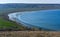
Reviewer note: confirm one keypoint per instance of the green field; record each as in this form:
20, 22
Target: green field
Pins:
5, 24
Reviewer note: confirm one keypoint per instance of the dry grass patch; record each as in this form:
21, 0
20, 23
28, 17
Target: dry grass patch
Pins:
29, 34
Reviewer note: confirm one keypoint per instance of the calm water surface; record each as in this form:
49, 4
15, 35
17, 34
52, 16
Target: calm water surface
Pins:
49, 19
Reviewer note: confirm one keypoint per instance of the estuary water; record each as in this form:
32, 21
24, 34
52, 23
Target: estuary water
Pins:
48, 19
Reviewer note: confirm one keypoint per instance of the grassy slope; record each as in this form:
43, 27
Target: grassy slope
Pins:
5, 24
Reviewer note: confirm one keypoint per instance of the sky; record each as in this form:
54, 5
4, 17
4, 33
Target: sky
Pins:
30, 1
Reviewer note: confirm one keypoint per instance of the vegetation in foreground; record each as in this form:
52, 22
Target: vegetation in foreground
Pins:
29, 34
9, 25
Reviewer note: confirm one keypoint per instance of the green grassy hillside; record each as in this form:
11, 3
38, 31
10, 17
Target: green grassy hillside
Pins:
9, 25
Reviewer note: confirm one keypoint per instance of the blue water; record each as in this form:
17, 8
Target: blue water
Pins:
48, 19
